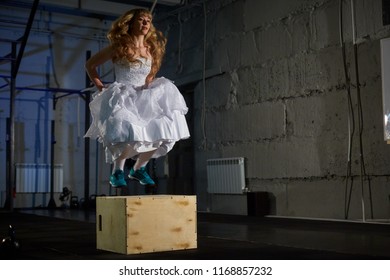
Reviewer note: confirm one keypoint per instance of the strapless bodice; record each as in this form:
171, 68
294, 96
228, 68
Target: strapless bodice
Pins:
133, 73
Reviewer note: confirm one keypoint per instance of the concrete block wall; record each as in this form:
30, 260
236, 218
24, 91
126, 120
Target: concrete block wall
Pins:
281, 102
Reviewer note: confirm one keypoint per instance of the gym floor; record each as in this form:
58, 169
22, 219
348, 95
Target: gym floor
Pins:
71, 235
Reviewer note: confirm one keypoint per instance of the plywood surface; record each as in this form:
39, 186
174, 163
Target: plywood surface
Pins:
150, 223
111, 225
161, 223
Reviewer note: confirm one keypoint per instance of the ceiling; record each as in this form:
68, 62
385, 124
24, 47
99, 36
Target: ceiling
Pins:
103, 9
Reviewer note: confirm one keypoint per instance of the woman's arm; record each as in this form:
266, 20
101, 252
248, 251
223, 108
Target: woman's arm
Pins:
91, 65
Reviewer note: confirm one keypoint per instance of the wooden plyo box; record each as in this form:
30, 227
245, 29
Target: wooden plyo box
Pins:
148, 223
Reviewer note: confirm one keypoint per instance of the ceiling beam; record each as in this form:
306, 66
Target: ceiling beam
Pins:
101, 9
92, 6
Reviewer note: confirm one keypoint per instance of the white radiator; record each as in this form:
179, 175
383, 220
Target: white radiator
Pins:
35, 178
226, 176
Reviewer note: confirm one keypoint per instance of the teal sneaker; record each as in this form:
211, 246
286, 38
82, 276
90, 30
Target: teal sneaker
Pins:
118, 179
142, 176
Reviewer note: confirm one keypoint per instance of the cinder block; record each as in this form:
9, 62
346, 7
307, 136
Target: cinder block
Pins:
263, 13
325, 21
143, 224
262, 121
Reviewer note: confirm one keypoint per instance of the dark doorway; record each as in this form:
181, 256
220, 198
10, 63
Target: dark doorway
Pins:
386, 12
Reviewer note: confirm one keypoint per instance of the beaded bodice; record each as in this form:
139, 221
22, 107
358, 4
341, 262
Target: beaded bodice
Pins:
134, 73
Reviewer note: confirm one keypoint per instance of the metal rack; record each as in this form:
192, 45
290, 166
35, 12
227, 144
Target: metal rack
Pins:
15, 57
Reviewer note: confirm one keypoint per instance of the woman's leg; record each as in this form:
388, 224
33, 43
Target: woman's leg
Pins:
119, 163
143, 159
138, 171
117, 178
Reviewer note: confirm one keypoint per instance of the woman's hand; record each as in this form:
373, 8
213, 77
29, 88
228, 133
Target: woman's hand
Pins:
94, 62
100, 87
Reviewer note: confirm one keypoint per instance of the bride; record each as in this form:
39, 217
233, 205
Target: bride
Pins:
137, 116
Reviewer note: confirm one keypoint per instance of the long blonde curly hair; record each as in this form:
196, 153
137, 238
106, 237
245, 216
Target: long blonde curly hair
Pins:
124, 46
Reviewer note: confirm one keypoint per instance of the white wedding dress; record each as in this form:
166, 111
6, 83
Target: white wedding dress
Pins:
125, 113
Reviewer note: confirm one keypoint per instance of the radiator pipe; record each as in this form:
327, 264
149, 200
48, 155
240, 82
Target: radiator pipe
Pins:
9, 202
52, 203
87, 140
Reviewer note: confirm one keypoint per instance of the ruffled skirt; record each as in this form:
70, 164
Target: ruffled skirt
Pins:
144, 119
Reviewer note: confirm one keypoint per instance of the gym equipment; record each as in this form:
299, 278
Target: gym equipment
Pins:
64, 197
9, 247
74, 202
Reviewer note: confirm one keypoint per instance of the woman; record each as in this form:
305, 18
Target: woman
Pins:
137, 116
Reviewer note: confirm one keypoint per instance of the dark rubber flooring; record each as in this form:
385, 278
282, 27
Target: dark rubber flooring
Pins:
71, 235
